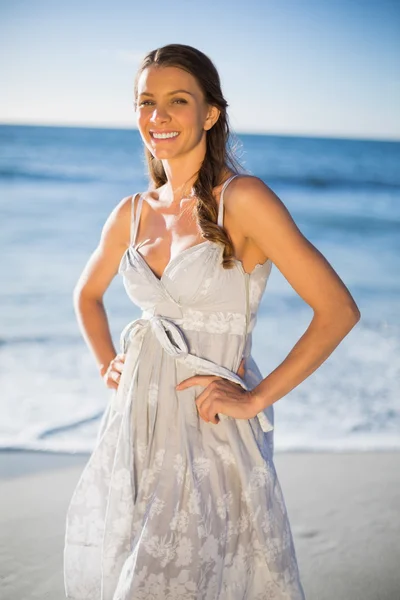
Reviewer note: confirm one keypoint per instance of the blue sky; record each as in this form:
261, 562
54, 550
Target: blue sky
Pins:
301, 67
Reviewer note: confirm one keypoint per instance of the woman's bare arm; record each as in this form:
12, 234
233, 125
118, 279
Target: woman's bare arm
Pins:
264, 219
96, 277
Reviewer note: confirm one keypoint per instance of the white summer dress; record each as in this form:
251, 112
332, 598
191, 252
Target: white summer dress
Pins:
170, 507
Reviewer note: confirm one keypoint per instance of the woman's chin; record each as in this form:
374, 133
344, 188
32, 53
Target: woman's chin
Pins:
163, 153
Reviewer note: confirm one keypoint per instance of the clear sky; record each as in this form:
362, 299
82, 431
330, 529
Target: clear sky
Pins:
301, 67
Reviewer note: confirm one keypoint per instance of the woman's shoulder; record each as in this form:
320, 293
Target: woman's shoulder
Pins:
121, 213
118, 222
248, 199
246, 182
123, 210
247, 190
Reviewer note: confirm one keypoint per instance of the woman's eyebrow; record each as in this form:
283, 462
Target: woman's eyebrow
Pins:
168, 94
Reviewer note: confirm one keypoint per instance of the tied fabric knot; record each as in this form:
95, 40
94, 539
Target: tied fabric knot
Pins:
166, 331
170, 336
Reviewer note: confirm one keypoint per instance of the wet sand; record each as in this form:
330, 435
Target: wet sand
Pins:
344, 510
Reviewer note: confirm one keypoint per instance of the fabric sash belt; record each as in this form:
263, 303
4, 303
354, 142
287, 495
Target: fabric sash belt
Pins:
173, 342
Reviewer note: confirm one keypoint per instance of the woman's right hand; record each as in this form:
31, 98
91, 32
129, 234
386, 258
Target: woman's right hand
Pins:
113, 374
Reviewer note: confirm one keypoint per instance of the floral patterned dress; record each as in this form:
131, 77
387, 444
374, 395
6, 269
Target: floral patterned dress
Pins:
170, 507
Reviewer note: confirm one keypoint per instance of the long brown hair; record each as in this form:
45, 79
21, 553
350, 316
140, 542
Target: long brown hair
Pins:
219, 157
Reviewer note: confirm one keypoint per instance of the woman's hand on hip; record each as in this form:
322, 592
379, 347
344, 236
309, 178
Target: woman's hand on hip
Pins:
114, 371
221, 396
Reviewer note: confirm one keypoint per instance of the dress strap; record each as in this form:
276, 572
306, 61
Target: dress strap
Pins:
221, 201
135, 218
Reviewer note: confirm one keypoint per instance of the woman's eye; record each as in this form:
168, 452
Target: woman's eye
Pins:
150, 102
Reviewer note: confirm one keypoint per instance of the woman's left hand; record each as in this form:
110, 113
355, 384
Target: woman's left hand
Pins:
220, 396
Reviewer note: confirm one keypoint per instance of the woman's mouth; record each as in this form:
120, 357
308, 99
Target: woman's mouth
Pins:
164, 135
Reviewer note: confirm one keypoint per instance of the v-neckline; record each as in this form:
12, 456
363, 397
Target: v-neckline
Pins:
189, 249
173, 259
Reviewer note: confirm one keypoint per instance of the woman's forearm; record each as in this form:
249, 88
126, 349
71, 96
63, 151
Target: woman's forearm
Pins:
322, 336
93, 323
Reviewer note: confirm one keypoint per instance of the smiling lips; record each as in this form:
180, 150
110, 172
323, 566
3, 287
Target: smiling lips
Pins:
164, 135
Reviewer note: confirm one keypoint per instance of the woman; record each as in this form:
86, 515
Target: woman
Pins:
180, 498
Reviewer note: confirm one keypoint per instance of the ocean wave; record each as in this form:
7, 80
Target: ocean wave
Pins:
34, 340
314, 181
363, 224
18, 174
324, 182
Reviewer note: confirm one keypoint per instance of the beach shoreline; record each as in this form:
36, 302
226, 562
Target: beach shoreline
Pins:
343, 510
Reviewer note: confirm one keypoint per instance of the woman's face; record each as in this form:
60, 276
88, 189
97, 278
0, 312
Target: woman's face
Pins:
172, 114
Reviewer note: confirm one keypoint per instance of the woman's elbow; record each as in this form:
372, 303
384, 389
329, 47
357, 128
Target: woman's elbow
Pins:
344, 315
83, 294
349, 315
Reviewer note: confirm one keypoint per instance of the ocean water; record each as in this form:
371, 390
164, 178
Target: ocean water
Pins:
57, 187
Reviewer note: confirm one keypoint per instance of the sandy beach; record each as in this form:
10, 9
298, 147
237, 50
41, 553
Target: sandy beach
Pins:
344, 510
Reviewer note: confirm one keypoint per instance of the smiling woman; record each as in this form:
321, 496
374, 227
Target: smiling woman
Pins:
180, 498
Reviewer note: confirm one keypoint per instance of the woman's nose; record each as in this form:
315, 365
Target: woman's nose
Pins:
159, 114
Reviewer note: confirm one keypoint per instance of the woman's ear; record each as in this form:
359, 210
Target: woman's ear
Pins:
212, 117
